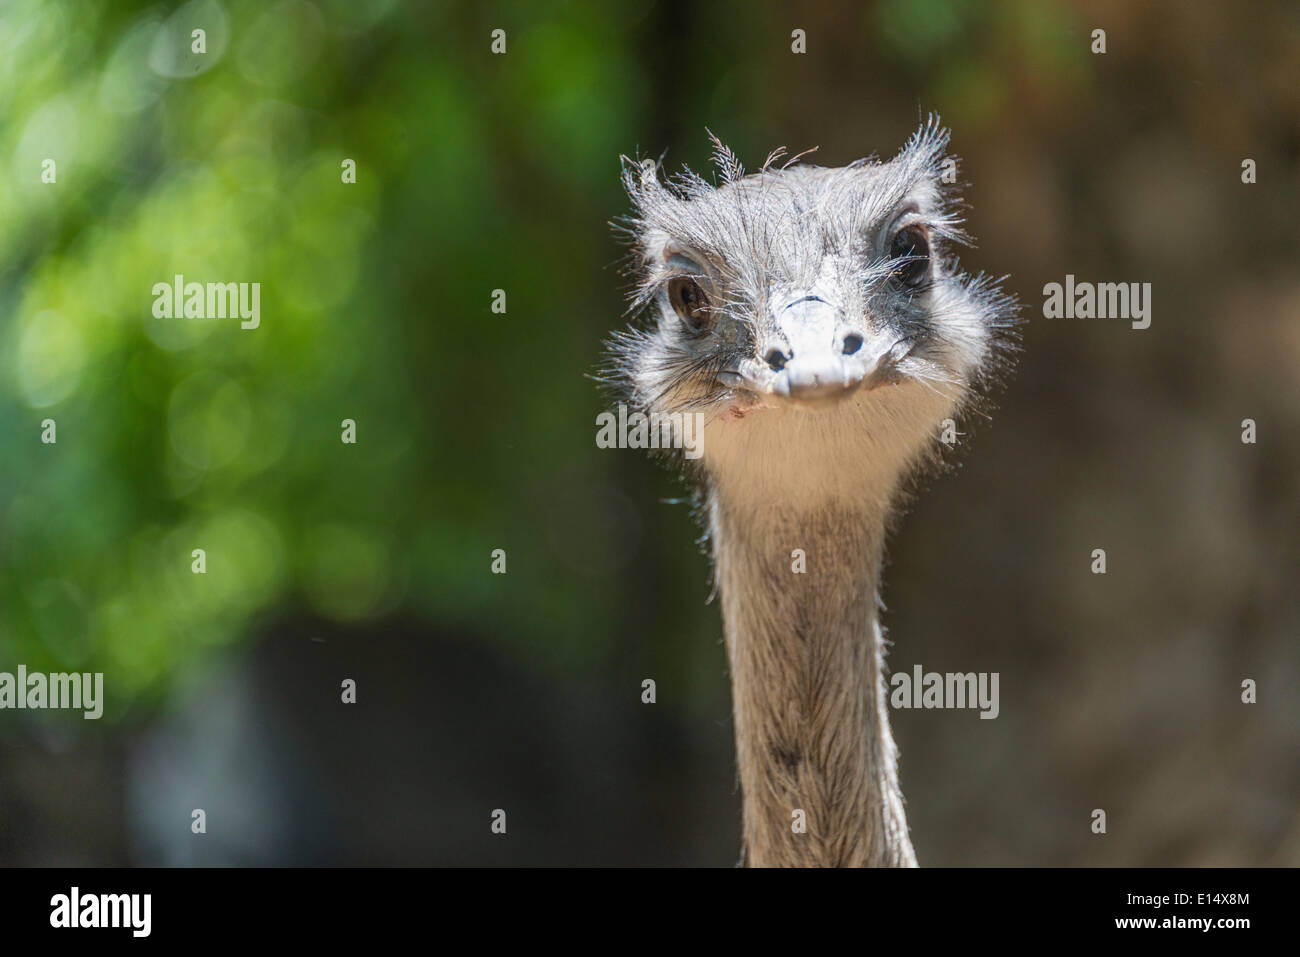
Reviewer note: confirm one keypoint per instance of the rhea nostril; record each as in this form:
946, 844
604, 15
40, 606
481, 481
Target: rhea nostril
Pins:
776, 359
852, 343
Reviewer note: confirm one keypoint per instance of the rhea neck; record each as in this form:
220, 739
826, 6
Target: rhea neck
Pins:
798, 545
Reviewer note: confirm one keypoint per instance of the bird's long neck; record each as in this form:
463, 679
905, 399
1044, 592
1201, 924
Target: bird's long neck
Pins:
804, 644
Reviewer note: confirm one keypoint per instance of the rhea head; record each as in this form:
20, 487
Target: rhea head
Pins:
814, 316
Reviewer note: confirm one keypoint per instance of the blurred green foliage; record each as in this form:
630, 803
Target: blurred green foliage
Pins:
174, 434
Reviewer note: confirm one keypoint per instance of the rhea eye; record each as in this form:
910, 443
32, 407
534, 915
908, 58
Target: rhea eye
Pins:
689, 302
912, 245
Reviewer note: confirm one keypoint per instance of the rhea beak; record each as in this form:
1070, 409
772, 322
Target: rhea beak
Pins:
822, 358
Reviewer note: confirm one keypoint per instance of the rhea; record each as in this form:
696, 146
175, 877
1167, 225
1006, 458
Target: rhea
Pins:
817, 320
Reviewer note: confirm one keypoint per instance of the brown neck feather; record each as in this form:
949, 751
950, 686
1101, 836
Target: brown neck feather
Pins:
805, 649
